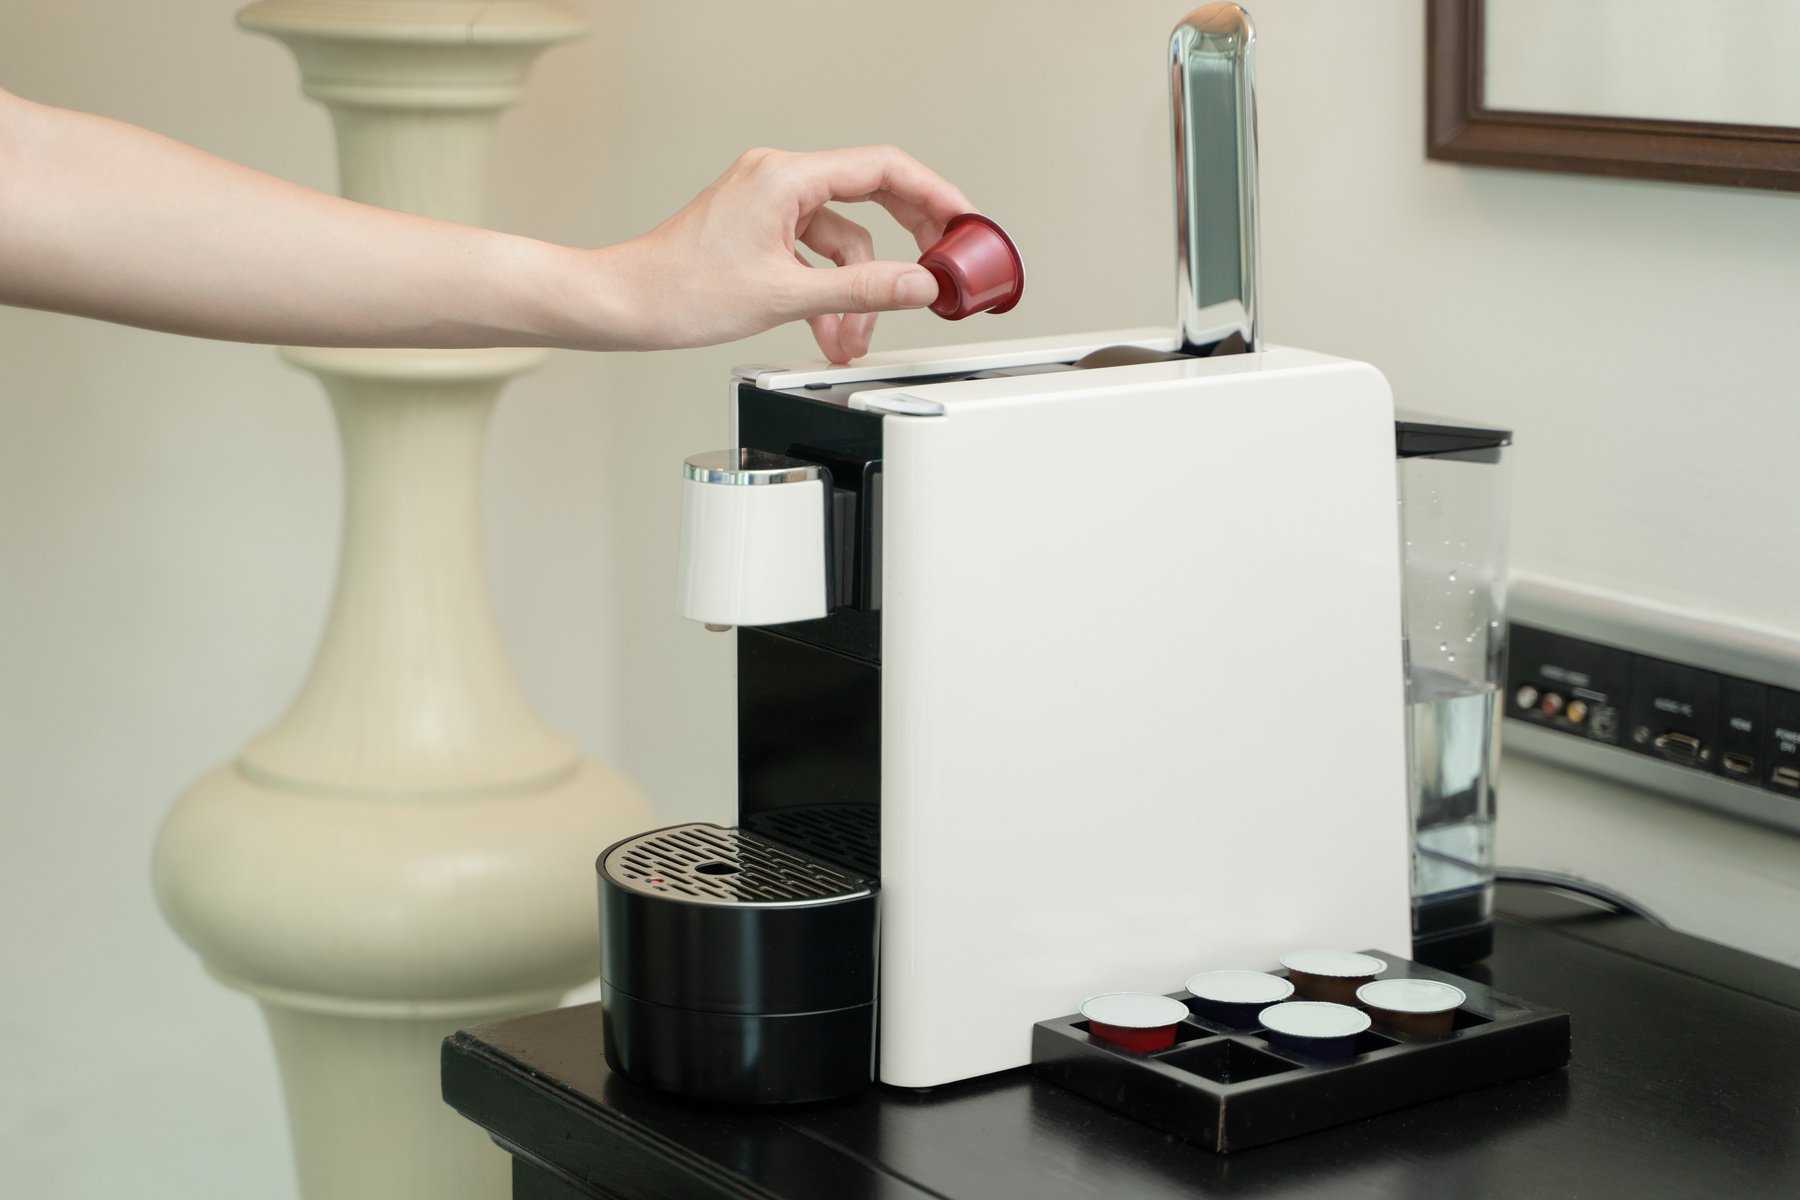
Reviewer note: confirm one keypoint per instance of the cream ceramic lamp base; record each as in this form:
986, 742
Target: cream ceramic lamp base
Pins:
409, 850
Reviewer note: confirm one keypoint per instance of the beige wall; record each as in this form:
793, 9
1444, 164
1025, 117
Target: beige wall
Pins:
168, 510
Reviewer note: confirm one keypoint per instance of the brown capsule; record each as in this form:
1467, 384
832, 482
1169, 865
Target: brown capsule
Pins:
1330, 975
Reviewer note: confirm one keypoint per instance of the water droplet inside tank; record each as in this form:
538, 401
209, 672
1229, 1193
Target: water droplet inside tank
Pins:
1443, 647
1453, 577
1451, 657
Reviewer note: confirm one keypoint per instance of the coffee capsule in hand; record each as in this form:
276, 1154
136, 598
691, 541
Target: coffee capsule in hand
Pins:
977, 267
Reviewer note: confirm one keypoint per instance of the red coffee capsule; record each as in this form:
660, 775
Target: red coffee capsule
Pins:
978, 268
1139, 1021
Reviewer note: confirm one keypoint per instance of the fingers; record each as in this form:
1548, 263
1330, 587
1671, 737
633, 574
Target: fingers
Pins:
835, 236
919, 198
770, 200
881, 286
825, 327
845, 243
825, 332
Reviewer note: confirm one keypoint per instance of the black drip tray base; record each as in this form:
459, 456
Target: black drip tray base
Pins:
1228, 1089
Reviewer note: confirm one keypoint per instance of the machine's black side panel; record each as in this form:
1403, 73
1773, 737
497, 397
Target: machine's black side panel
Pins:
845, 631
809, 748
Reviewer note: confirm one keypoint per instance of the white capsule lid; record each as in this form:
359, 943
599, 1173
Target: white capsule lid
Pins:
1133, 1010
1315, 1019
1411, 995
1239, 987
1336, 963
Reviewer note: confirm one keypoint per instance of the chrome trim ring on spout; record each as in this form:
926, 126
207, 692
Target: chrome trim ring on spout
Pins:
748, 468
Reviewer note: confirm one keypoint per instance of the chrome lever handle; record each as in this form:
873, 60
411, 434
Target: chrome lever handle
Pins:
1212, 99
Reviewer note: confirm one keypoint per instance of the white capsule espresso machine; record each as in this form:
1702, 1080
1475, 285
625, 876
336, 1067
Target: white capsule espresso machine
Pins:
1064, 666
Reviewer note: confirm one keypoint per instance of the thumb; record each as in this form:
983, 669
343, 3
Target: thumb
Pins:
867, 287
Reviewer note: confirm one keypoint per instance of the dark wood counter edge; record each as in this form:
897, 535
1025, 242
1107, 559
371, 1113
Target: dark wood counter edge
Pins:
641, 1165
1670, 949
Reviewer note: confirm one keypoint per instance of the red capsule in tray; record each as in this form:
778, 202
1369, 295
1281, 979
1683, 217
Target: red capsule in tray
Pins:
1140, 1021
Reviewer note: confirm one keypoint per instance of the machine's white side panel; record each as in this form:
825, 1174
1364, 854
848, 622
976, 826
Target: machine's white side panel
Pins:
1143, 707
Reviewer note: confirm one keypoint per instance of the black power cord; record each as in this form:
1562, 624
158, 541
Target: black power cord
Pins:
1617, 901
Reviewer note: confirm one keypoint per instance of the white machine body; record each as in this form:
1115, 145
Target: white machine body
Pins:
1141, 682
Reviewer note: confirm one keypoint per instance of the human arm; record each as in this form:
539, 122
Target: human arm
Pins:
103, 219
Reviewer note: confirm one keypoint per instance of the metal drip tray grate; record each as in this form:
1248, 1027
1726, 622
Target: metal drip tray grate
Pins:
714, 865
848, 834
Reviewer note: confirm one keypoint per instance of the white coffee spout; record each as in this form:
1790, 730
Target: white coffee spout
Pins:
1212, 96
753, 539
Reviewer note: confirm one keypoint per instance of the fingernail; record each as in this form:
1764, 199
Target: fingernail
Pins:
915, 289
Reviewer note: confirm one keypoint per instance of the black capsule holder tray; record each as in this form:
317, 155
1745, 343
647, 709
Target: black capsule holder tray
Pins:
1229, 1089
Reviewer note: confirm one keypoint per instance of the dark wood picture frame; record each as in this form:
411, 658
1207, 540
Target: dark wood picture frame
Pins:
1459, 127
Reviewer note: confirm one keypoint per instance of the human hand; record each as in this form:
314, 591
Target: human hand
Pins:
205, 247
727, 265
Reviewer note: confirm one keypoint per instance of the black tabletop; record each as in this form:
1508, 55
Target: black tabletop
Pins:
1684, 1081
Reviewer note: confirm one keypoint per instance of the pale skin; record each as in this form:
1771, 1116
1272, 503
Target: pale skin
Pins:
102, 219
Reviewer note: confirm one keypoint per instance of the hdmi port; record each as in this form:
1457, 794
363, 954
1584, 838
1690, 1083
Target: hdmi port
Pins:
1739, 764
1787, 777
1682, 747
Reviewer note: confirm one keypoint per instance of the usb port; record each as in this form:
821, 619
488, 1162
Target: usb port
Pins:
1787, 777
1682, 747
1739, 764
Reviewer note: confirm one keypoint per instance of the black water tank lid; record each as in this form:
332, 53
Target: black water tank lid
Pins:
1419, 436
